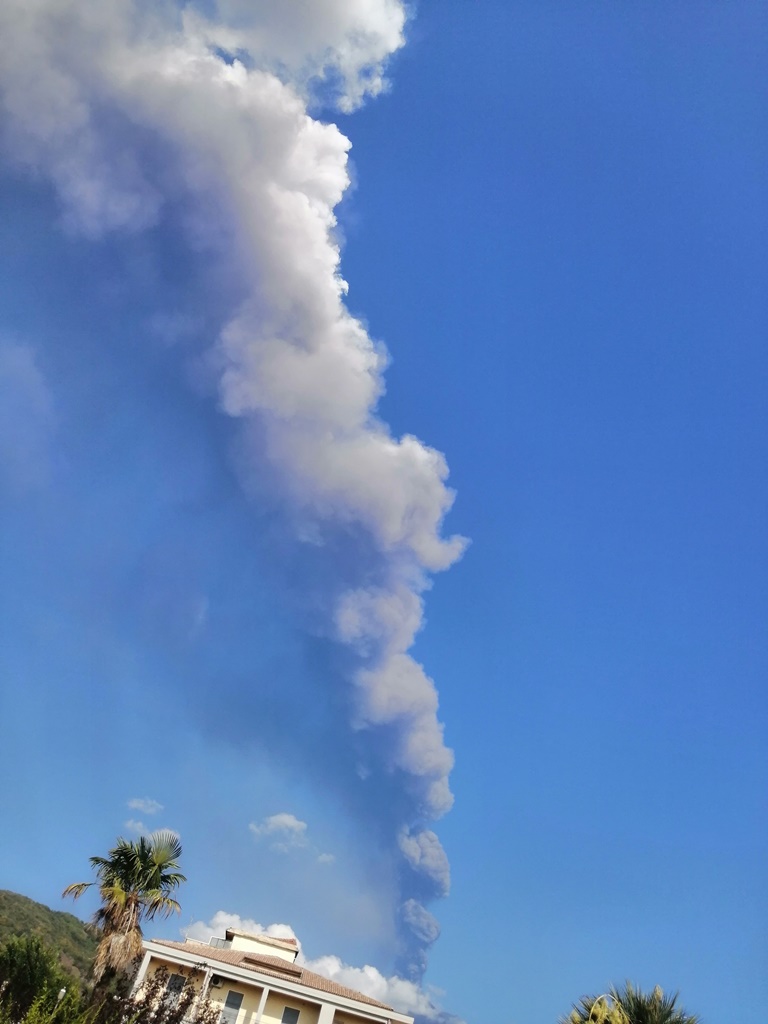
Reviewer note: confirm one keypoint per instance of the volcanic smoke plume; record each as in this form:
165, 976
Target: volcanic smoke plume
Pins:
130, 108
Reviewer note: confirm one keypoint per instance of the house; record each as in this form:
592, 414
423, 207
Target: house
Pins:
255, 980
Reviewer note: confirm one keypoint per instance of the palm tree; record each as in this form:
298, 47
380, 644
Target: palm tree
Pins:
596, 1010
629, 1005
135, 882
651, 1008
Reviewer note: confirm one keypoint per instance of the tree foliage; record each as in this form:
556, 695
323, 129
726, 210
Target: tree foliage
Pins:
150, 1005
135, 882
44, 1002
29, 972
629, 1005
74, 941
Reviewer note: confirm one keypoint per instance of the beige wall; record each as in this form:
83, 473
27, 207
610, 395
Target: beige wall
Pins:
261, 944
251, 998
276, 1003
194, 977
217, 996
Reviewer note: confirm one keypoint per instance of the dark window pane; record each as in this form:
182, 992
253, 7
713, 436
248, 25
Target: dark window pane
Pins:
231, 1008
173, 989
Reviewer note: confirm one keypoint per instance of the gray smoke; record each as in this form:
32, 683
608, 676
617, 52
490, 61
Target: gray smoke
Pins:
92, 93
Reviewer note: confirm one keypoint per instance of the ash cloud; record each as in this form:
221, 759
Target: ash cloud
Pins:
131, 111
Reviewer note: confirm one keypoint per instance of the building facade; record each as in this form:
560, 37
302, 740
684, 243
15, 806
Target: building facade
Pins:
255, 979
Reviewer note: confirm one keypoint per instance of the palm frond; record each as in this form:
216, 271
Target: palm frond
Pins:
77, 889
160, 904
166, 846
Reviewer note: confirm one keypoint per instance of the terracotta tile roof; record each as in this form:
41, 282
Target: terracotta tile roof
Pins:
275, 966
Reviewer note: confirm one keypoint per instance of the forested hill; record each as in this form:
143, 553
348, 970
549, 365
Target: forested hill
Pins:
75, 941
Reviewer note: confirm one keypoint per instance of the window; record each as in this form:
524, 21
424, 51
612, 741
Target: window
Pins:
173, 989
231, 1008
290, 1016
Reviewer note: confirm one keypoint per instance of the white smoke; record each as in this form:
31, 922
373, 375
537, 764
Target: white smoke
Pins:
27, 419
91, 94
347, 39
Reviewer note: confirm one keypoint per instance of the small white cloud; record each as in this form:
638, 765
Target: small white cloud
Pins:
145, 804
284, 831
326, 858
136, 826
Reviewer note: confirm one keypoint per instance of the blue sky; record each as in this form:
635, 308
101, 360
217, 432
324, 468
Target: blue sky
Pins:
558, 229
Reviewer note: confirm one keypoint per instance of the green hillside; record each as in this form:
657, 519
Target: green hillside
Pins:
75, 941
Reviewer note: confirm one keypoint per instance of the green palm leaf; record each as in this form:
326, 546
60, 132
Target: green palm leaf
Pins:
135, 883
629, 1005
